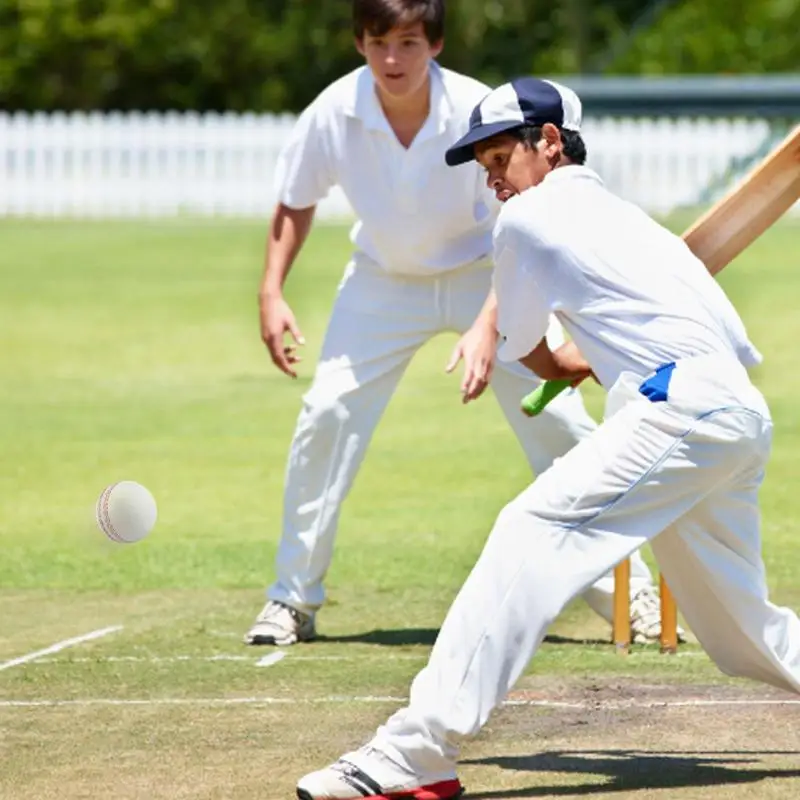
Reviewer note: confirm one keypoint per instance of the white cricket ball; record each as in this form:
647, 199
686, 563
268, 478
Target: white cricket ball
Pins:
126, 512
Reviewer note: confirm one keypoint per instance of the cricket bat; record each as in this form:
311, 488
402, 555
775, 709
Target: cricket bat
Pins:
732, 224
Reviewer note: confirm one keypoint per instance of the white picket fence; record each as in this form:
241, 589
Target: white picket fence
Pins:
147, 165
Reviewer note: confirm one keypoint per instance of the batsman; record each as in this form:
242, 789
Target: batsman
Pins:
677, 462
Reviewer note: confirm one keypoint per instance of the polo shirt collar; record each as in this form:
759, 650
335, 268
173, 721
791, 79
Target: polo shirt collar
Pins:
367, 107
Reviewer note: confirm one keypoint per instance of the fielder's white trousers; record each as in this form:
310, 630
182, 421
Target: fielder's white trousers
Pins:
683, 474
378, 322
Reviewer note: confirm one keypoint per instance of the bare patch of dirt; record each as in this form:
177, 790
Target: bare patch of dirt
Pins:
623, 739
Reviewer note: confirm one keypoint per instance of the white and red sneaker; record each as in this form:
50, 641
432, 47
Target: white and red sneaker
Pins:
370, 773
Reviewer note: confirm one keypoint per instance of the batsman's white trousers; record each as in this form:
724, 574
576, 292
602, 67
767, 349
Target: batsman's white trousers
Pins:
684, 474
378, 322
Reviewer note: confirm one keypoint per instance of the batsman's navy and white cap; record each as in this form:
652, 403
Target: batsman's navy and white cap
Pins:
523, 101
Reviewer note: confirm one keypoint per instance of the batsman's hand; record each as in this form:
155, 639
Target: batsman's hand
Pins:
478, 348
572, 362
277, 319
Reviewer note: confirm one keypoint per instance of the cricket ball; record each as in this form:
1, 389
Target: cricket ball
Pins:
126, 512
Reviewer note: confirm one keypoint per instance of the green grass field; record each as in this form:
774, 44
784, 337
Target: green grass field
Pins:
131, 351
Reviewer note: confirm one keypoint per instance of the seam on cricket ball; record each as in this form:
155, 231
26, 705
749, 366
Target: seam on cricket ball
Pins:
105, 519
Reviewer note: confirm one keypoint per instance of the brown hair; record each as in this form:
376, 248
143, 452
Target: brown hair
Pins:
378, 17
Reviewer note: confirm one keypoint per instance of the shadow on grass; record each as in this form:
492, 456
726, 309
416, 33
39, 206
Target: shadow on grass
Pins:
404, 637
388, 638
629, 770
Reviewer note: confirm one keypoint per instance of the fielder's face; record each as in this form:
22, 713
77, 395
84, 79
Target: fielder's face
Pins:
512, 167
399, 59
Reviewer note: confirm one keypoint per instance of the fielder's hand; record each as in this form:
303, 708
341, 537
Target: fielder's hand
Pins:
277, 320
478, 348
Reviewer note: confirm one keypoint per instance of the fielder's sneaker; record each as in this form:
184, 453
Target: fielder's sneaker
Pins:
646, 617
281, 625
370, 773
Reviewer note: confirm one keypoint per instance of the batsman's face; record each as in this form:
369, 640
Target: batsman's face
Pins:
399, 59
512, 167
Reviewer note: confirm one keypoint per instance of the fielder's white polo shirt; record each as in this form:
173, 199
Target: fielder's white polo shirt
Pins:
629, 292
416, 215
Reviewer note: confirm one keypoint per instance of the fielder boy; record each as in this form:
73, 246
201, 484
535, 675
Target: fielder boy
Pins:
678, 460
421, 265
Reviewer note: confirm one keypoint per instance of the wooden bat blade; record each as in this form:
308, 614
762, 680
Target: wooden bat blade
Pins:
745, 212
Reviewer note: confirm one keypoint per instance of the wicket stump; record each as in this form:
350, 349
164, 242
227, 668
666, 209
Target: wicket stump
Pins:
622, 612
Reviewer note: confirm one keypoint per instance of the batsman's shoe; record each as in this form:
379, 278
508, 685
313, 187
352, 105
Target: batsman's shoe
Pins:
370, 773
646, 617
281, 625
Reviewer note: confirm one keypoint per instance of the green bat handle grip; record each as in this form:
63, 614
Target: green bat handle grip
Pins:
534, 403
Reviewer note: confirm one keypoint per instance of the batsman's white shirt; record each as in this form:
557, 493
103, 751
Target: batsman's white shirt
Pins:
416, 215
626, 311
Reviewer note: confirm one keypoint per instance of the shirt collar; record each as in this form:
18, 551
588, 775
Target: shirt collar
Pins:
366, 106
571, 172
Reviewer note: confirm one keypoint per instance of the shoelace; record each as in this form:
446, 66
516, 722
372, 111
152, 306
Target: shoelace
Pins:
274, 609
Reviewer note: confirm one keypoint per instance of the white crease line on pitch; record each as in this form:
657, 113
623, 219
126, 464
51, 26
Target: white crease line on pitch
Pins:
266, 660
141, 659
195, 701
58, 646
356, 700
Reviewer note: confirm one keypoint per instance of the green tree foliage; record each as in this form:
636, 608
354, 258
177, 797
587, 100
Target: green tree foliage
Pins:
717, 37
494, 39
277, 55
158, 54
